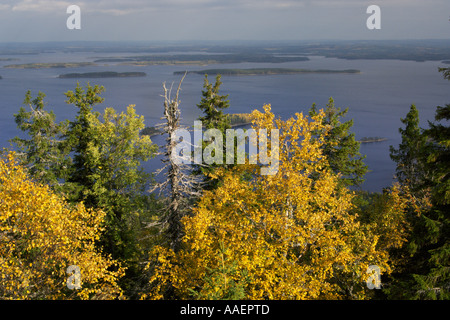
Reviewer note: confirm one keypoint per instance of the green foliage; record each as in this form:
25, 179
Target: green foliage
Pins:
224, 282
341, 148
44, 153
435, 282
213, 104
409, 155
423, 163
95, 159
78, 136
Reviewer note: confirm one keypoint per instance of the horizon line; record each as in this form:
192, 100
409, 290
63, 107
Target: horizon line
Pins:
218, 41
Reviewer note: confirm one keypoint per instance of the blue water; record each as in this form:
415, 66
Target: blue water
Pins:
377, 98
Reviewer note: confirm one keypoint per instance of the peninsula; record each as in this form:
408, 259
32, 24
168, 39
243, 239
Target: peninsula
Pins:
263, 71
104, 74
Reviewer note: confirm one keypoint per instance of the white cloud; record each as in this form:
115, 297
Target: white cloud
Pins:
40, 5
122, 7
125, 7
222, 19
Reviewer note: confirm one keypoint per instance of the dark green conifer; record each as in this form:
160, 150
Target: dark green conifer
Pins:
341, 147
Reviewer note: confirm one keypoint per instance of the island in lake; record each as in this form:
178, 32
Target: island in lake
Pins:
104, 74
372, 139
239, 119
49, 65
263, 71
200, 59
150, 131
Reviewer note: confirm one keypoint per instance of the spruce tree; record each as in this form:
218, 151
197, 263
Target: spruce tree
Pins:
44, 152
341, 147
434, 280
410, 168
426, 272
213, 105
78, 139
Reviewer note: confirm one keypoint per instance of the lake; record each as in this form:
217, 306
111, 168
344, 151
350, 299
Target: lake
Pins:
377, 97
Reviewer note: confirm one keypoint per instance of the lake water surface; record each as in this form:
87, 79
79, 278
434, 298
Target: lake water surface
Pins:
377, 97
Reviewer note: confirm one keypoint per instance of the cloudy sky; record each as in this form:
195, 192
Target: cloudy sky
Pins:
45, 20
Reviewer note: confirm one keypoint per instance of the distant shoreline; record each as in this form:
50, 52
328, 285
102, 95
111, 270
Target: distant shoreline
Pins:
264, 71
49, 65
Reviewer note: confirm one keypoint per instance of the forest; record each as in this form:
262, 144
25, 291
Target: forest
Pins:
81, 219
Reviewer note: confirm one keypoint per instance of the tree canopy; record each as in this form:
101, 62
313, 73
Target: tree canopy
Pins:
41, 235
286, 236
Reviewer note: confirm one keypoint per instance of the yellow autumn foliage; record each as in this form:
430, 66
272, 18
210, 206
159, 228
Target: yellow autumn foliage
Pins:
285, 236
41, 236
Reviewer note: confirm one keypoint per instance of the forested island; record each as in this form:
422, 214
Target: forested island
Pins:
372, 139
150, 131
235, 120
50, 65
263, 71
201, 59
104, 74
239, 119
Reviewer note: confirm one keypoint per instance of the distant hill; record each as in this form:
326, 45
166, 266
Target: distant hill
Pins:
105, 74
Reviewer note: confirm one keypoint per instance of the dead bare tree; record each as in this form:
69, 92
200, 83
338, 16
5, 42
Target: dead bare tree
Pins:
181, 188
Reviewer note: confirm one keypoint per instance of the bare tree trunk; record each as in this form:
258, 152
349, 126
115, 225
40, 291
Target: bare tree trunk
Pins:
181, 188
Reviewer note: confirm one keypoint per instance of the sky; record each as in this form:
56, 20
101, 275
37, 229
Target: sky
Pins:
175, 20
